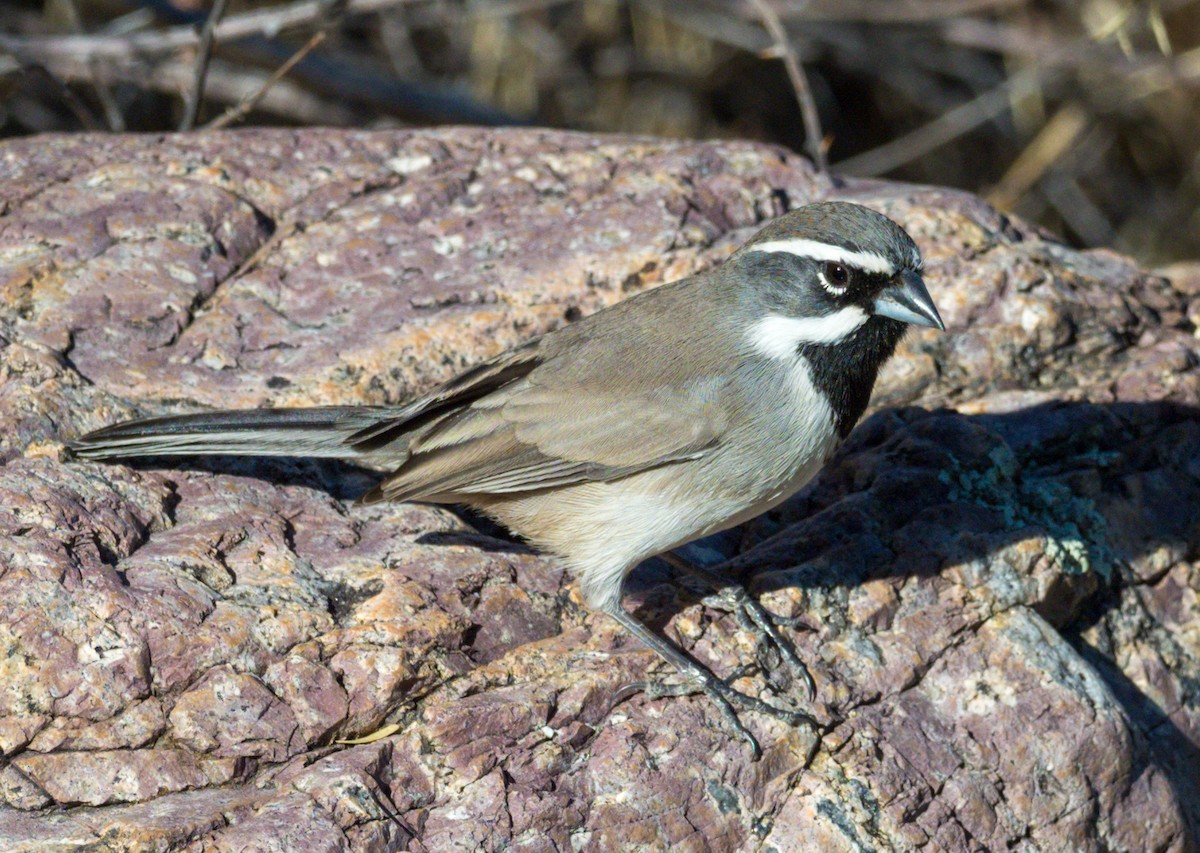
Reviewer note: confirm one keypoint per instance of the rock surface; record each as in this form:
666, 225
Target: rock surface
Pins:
996, 582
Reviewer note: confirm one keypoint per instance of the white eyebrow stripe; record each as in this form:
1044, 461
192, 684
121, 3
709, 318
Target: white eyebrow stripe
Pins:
818, 251
778, 336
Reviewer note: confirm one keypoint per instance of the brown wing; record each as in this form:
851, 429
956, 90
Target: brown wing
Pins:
394, 436
527, 437
595, 404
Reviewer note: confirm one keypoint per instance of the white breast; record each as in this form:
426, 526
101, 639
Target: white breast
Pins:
808, 437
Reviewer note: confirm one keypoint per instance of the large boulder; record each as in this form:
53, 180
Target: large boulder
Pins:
996, 582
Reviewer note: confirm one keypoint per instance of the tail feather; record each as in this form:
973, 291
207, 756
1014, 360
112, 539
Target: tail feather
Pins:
327, 431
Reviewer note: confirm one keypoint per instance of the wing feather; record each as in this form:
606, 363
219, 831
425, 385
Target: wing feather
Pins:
541, 439
593, 401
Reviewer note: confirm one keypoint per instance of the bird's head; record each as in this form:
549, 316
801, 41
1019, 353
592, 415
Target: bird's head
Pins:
826, 271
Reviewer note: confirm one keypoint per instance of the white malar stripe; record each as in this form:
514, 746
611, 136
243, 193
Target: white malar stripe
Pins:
777, 336
818, 251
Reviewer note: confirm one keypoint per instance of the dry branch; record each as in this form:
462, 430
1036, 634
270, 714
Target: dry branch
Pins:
814, 139
143, 46
244, 106
195, 94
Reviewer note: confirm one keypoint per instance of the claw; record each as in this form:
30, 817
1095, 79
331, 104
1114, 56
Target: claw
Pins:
751, 615
659, 689
701, 680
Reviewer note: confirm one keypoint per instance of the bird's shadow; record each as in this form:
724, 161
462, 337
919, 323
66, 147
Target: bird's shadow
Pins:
1108, 488
484, 534
341, 480
1110, 484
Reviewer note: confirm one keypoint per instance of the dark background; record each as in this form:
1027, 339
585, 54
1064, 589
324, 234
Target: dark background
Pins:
1082, 116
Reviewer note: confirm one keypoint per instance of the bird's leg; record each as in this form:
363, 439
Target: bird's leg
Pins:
722, 695
732, 597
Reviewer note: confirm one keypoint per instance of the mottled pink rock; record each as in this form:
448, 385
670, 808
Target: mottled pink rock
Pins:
233, 714
994, 582
123, 775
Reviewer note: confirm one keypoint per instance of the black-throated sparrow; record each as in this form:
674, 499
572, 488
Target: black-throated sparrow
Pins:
677, 413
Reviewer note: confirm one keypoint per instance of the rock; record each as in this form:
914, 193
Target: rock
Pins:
994, 582
121, 775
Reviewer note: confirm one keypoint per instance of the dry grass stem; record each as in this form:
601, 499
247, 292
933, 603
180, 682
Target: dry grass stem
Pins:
243, 108
195, 94
943, 129
1043, 151
269, 21
814, 139
1082, 116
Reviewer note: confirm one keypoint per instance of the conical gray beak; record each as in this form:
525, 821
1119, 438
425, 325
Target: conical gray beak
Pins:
908, 301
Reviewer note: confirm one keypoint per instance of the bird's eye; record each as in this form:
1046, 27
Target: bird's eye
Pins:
837, 274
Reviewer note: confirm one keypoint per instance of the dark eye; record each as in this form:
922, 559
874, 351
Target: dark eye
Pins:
836, 273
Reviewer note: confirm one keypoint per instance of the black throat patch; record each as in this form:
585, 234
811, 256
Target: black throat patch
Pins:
845, 372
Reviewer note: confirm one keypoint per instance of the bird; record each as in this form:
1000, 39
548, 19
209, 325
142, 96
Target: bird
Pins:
679, 412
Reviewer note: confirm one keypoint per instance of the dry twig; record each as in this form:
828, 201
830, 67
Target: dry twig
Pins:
814, 139
946, 127
99, 82
195, 94
232, 83
242, 108
135, 47
1053, 141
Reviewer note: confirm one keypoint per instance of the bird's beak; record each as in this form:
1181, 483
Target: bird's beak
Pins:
907, 300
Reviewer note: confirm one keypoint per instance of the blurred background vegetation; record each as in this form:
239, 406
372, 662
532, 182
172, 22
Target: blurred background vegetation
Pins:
1083, 116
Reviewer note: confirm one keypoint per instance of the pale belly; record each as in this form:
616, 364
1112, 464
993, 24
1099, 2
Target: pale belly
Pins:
603, 529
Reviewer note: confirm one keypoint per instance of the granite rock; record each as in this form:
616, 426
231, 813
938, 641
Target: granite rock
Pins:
995, 582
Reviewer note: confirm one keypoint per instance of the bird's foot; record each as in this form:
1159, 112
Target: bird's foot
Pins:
726, 699
732, 598
700, 679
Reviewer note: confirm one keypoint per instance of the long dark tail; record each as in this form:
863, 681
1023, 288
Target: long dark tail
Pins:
323, 431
